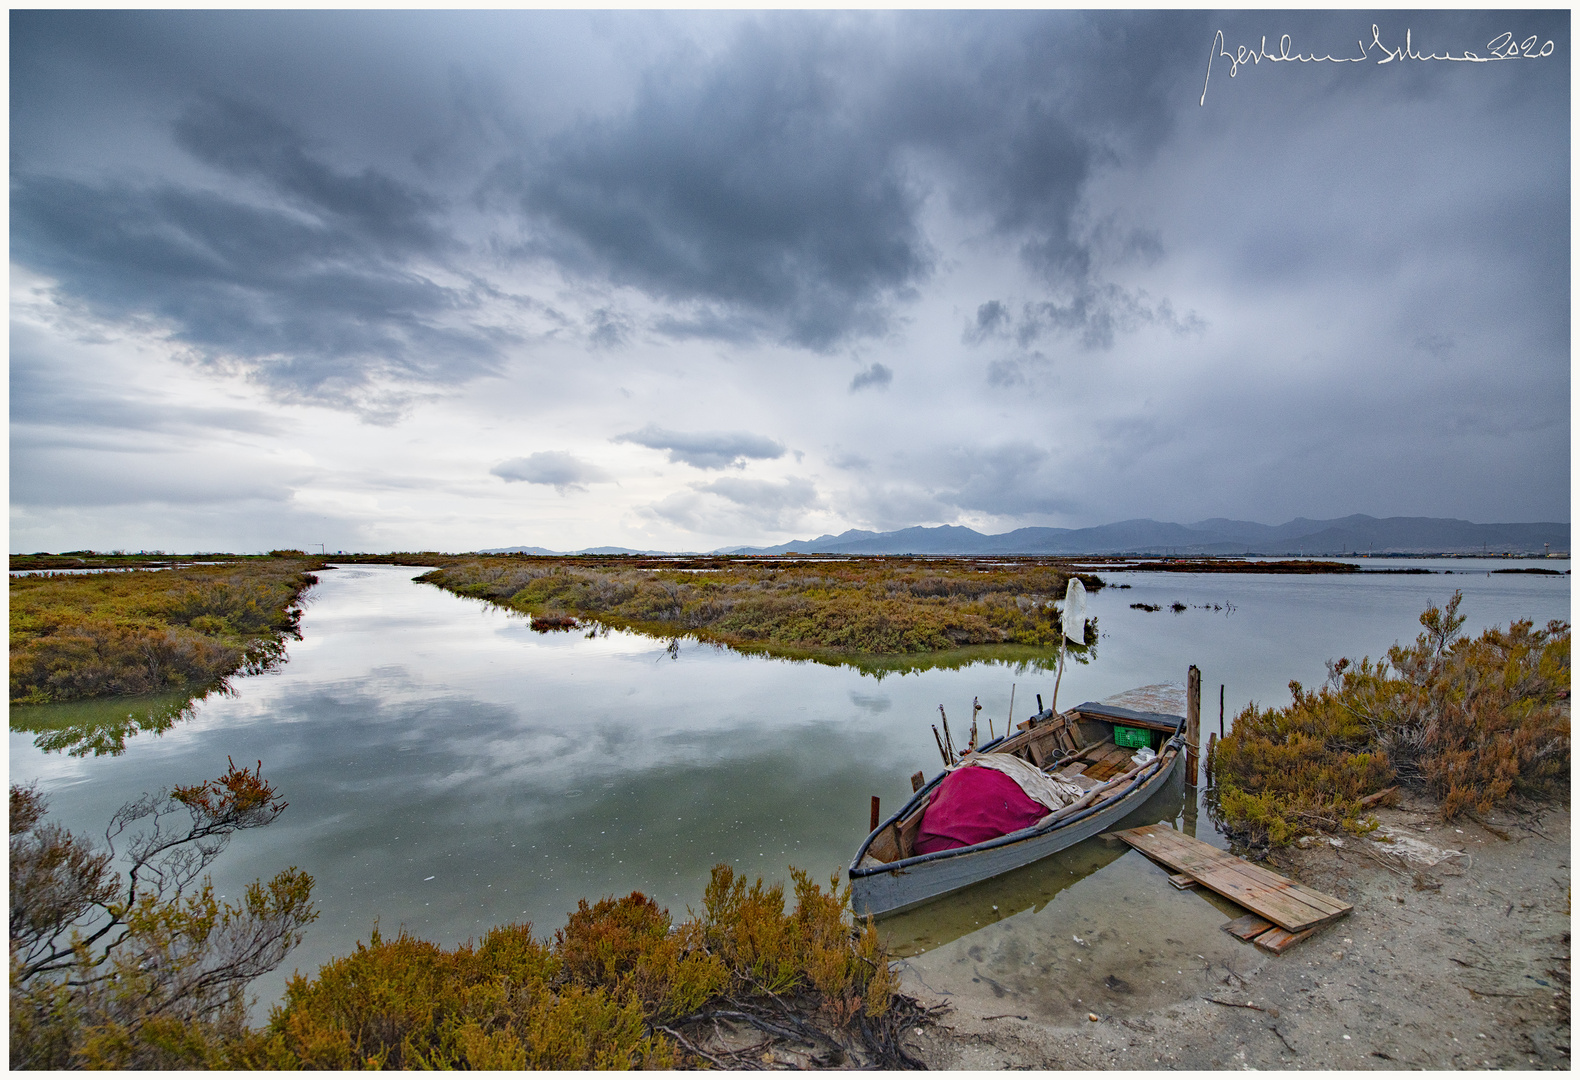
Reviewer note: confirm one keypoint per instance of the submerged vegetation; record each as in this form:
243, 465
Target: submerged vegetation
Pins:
150, 972
828, 610
1474, 722
185, 630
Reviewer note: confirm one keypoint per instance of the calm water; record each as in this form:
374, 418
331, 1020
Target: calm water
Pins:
448, 769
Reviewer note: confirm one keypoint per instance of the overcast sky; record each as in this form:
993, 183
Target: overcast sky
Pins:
430, 280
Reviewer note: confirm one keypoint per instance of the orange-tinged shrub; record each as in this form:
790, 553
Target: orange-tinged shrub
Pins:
586, 999
1473, 721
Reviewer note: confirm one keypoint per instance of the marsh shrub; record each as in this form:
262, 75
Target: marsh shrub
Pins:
148, 971
590, 997
1472, 721
185, 629
872, 607
116, 973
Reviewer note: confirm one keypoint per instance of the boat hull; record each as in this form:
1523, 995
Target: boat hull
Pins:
885, 891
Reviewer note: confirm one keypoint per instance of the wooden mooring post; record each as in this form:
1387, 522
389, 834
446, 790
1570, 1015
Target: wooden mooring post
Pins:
875, 818
1192, 724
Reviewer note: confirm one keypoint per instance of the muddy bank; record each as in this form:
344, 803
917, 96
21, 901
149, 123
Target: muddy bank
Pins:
1456, 956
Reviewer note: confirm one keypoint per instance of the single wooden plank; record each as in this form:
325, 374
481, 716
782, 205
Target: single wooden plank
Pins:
1256, 889
1098, 751
1066, 738
1247, 927
1119, 755
908, 830
1111, 763
1278, 941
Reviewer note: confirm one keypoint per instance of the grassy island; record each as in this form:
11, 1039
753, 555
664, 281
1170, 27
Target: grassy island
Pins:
832, 610
182, 630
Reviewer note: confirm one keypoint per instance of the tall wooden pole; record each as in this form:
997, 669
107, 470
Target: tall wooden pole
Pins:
1192, 723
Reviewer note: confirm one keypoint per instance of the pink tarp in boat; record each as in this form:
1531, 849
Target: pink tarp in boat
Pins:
973, 805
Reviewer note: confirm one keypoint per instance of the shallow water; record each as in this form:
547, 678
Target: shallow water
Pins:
448, 769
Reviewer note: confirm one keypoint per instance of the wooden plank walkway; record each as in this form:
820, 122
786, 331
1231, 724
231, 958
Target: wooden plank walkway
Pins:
1290, 907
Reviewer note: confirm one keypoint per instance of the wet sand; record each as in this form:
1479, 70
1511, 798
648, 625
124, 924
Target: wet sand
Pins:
1462, 964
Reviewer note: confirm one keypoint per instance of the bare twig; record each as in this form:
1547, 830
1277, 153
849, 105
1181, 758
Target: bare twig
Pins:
689, 1048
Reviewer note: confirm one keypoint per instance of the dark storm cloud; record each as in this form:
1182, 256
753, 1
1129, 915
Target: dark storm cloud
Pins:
705, 449
1094, 311
747, 189
563, 471
874, 374
775, 192
253, 145
311, 305
768, 190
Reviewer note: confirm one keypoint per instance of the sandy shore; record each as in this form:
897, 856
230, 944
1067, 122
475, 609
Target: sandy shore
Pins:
1456, 956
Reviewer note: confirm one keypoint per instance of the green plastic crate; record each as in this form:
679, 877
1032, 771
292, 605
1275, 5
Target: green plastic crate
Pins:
1131, 736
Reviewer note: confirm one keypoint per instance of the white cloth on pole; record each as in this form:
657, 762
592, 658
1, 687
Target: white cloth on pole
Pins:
1074, 616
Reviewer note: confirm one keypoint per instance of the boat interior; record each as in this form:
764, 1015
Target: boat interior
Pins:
1080, 746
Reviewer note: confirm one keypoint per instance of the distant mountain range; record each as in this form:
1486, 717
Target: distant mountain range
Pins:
1357, 534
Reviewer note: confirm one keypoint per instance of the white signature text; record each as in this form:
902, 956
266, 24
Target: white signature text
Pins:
1502, 47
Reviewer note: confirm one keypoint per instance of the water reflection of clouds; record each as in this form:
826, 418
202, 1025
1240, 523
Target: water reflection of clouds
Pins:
408, 713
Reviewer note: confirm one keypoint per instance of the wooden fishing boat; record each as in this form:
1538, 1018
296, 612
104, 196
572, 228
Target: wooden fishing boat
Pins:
1083, 746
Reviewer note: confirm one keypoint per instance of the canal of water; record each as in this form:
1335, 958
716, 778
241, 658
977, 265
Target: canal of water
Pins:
448, 769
